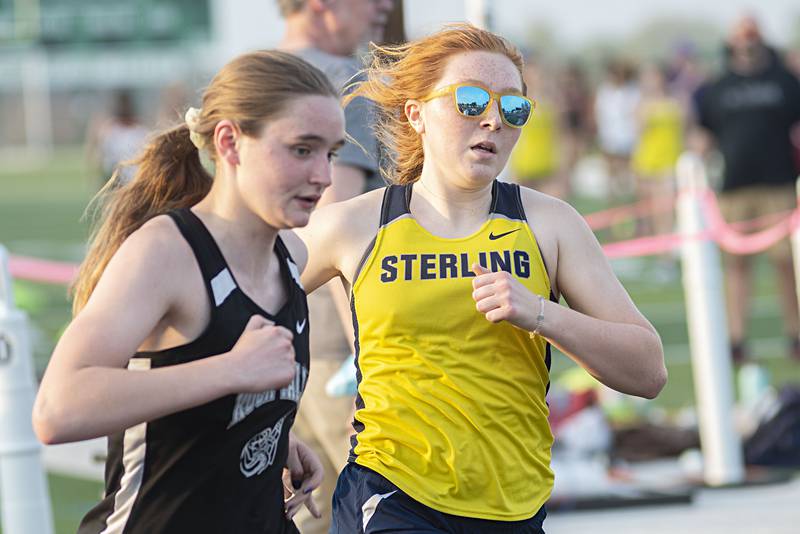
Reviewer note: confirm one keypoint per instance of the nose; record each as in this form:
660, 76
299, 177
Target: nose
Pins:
323, 173
491, 120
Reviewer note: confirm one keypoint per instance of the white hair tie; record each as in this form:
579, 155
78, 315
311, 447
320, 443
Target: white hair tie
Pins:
192, 119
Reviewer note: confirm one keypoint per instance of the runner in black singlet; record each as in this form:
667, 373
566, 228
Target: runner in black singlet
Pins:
189, 346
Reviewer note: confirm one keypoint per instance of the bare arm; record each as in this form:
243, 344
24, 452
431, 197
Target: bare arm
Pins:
87, 390
337, 237
602, 330
348, 182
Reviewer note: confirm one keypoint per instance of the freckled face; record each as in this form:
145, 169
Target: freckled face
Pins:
455, 144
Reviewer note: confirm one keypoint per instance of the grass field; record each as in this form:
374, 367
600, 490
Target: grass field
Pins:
40, 211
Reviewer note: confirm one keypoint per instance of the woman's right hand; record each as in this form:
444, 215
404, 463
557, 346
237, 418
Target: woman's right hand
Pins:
263, 357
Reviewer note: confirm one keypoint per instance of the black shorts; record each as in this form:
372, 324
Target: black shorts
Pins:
365, 502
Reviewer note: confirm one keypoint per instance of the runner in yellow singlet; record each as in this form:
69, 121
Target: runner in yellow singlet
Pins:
455, 281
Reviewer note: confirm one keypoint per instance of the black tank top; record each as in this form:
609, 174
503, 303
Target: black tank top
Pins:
215, 468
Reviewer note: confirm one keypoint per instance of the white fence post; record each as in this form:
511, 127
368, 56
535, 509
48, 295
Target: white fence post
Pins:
24, 498
708, 331
796, 248
36, 104
477, 12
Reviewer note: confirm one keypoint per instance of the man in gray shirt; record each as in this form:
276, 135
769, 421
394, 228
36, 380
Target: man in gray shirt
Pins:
328, 34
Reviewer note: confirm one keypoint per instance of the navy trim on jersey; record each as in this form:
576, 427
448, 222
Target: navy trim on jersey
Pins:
395, 204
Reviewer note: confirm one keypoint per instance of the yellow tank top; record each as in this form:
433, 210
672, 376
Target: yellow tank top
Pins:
535, 155
661, 139
450, 407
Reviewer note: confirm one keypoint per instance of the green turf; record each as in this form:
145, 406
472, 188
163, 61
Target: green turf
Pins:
41, 206
40, 214
71, 498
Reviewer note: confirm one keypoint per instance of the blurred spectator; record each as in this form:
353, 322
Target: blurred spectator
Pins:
685, 75
576, 123
535, 159
394, 31
793, 61
749, 111
660, 121
615, 115
328, 35
115, 139
793, 64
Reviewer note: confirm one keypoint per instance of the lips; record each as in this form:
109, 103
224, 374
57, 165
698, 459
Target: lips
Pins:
308, 200
485, 146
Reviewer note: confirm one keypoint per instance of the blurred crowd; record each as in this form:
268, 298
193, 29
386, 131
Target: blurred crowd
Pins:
638, 115
613, 130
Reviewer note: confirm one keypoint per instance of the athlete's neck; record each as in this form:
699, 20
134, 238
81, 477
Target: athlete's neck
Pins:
245, 239
445, 207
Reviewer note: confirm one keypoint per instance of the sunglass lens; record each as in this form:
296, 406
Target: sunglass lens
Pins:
516, 109
471, 101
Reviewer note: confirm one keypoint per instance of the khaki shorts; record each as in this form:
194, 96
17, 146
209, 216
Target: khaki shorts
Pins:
752, 202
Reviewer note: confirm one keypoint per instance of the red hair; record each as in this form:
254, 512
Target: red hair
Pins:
410, 71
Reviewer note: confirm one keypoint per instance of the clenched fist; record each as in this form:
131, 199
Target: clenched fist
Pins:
263, 356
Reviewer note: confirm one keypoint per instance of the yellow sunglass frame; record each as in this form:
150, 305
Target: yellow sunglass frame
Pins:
493, 97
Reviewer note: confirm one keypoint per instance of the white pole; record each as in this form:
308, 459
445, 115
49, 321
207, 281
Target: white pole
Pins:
708, 331
477, 13
24, 498
36, 104
796, 248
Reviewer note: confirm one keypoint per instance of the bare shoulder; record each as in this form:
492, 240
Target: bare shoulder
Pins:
337, 236
553, 222
536, 203
355, 214
551, 218
156, 254
345, 222
160, 241
152, 272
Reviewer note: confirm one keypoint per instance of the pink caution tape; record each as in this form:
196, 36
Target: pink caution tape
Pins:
737, 243
603, 219
643, 246
36, 270
726, 235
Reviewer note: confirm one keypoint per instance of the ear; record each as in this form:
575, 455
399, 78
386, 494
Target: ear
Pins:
226, 141
413, 111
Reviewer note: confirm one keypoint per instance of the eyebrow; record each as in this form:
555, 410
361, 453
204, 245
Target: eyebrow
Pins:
478, 82
314, 138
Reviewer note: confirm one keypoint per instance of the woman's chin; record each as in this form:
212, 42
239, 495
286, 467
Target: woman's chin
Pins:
298, 219
482, 173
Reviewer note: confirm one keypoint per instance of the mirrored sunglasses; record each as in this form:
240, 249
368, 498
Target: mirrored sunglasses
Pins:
473, 101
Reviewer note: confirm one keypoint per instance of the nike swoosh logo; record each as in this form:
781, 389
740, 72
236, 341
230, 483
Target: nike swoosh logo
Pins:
492, 236
301, 326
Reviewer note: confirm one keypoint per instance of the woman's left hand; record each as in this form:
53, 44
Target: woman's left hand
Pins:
303, 474
501, 297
